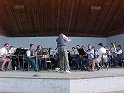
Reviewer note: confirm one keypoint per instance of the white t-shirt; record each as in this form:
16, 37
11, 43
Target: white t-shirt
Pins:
3, 51
28, 53
101, 51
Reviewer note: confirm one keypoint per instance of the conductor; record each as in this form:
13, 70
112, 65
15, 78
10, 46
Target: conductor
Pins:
62, 51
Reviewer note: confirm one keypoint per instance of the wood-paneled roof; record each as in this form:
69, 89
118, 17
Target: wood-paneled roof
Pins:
100, 18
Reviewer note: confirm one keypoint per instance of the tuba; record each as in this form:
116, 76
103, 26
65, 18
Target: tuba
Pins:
113, 49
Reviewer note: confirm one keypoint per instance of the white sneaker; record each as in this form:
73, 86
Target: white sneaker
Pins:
3, 70
67, 71
62, 71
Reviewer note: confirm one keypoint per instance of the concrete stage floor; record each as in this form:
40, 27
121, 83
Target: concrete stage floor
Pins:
112, 72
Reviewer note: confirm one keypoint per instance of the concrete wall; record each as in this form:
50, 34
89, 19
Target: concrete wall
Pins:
51, 41
16, 85
3, 40
95, 85
91, 85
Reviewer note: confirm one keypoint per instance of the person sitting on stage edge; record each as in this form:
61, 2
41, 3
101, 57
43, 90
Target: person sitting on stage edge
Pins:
30, 56
62, 51
5, 55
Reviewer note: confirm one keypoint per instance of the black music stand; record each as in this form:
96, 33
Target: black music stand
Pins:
47, 52
36, 74
43, 53
18, 52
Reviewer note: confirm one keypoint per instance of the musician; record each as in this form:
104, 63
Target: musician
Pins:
78, 46
88, 57
40, 59
4, 54
30, 56
74, 51
13, 57
118, 58
112, 49
108, 52
55, 60
90, 51
84, 59
76, 58
80, 60
101, 51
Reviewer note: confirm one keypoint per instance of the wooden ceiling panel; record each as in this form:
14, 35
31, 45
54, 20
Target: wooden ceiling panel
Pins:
101, 18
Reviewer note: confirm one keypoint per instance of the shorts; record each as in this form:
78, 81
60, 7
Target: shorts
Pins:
6, 59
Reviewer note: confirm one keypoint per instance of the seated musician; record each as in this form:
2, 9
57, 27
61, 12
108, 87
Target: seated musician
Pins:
84, 65
55, 60
85, 61
90, 54
76, 58
40, 59
90, 51
100, 52
4, 54
108, 55
74, 51
30, 56
14, 58
118, 57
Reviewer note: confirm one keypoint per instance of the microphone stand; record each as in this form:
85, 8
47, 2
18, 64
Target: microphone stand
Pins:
36, 74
